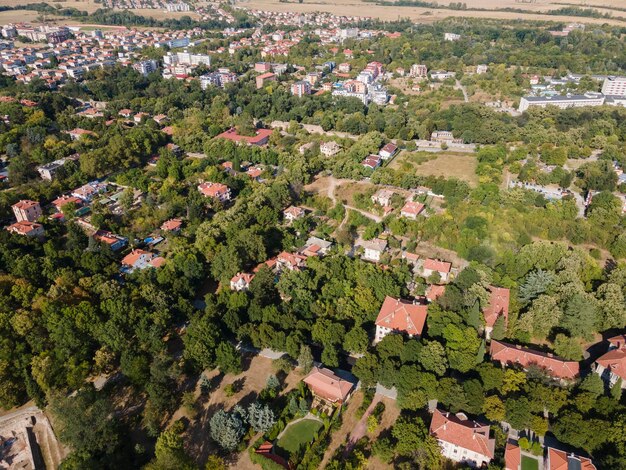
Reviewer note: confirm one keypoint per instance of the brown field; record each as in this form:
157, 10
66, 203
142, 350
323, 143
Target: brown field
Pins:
450, 165
426, 15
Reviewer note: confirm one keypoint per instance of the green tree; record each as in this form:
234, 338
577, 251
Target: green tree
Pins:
227, 358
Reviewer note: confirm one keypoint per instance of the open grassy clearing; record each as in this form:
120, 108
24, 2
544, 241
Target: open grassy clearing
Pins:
448, 164
528, 463
298, 434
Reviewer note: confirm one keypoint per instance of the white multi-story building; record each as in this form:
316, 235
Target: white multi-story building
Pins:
145, 67
419, 71
562, 101
186, 58
614, 86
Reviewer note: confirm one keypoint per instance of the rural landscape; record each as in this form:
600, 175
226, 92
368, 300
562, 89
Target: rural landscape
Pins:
276, 234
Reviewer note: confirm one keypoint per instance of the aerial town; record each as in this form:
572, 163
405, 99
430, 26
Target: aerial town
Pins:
237, 236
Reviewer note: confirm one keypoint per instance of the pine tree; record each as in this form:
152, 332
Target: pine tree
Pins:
305, 359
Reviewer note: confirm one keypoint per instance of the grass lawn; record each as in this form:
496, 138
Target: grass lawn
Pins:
528, 463
298, 435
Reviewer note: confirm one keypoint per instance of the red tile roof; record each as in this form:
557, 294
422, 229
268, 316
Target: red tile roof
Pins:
261, 136
615, 361
172, 225
498, 305
559, 460
412, 208
61, 201
512, 457
247, 278
515, 354
462, 432
213, 189
433, 292
24, 227
618, 341
436, 265
25, 204
324, 383
402, 315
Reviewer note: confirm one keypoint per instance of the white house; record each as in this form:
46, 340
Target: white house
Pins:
436, 266
374, 249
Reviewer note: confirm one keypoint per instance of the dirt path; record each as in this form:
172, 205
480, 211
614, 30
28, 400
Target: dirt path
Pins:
361, 428
458, 86
349, 421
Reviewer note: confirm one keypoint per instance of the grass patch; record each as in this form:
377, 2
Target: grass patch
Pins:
448, 164
298, 435
528, 463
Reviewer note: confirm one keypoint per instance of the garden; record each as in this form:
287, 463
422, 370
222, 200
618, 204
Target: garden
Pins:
298, 434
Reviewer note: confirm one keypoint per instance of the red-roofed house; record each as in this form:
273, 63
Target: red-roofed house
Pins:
611, 366
461, 439
26, 228
115, 242
290, 261
26, 210
388, 151
241, 281
498, 307
432, 266
172, 225
327, 386
217, 191
76, 134
512, 457
293, 213
263, 78
411, 210
262, 136
433, 292
400, 316
514, 354
372, 162
63, 200
140, 259
560, 460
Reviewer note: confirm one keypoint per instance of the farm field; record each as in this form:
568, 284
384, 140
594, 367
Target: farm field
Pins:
450, 165
428, 15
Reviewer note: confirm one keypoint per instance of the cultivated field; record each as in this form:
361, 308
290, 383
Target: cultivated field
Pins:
424, 15
448, 164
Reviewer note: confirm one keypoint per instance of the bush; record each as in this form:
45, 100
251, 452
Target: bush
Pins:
523, 443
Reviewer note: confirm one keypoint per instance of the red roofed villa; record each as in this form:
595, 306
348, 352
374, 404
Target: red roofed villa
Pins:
262, 137
498, 307
400, 316
611, 366
327, 387
515, 354
461, 439
217, 191
172, 225
411, 210
560, 460
241, 281
432, 266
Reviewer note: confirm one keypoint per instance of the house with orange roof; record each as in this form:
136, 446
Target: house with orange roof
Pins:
290, 261
498, 307
26, 228
510, 354
327, 387
512, 457
410, 258
172, 225
261, 138
611, 366
293, 213
77, 134
432, 266
140, 259
113, 241
26, 210
461, 439
560, 460
218, 191
241, 281
411, 210
433, 292
315, 246
400, 316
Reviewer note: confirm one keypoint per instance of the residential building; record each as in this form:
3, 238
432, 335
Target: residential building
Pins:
562, 101
263, 67
512, 457
49, 170
461, 439
434, 291
146, 67
388, 151
77, 134
62, 201
498, 307
481, 68
261, 138
293, 213
88, 191
290, 261
27, 211
412, 259
315, 247
432, 266
611, 366
442, 75
372, 162
26, 228
614, 86
419, 71
186, 58
327, 387
218, 191
411, 210
444, 137
301, 88
561, 460
382, 197
373, 249
140, 259
241, 281
451, 37
115, 242
266, 77
400, 316
330, 149
172, 225
510, 354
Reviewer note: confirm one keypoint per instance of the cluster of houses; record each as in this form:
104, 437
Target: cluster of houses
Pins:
385, 153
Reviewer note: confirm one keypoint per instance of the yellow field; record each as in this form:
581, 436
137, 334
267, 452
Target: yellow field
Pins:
448, 164
423, 15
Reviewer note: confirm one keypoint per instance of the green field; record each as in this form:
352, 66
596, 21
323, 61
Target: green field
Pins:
298, 435
528, 463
